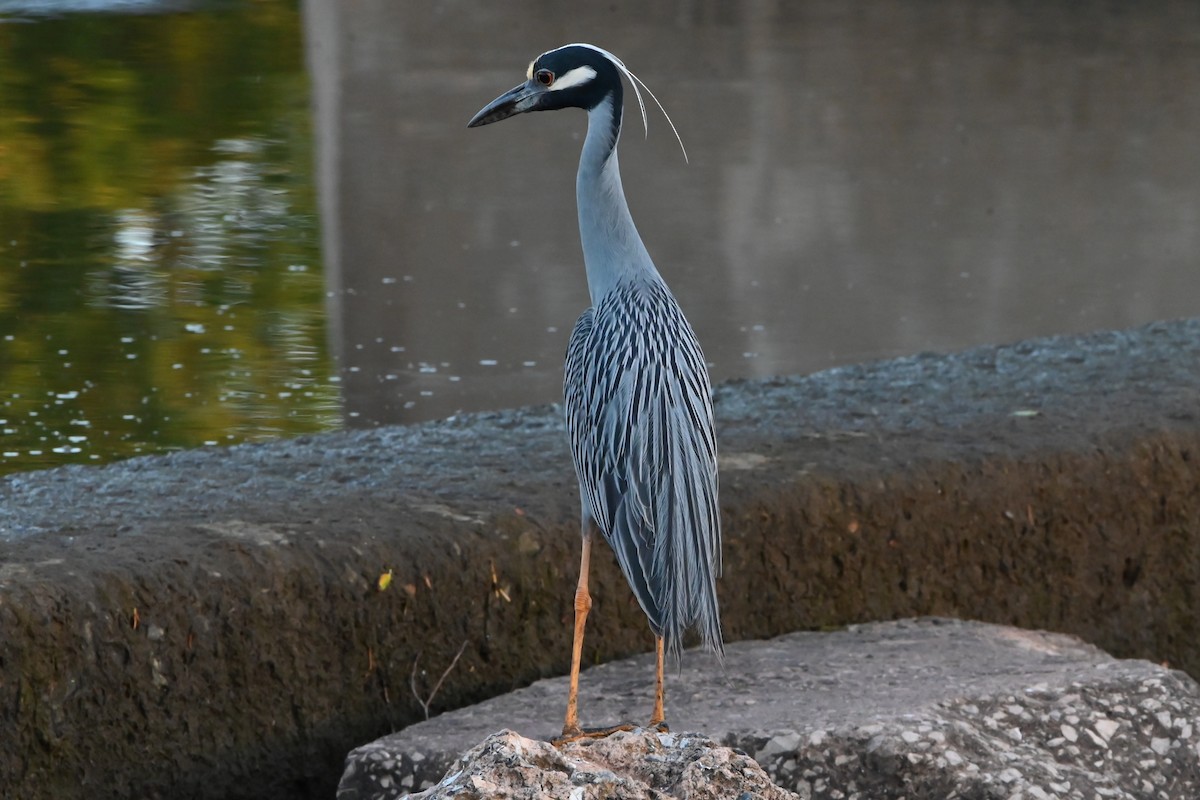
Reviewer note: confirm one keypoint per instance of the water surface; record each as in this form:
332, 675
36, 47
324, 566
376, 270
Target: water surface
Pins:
865, 181
160, 283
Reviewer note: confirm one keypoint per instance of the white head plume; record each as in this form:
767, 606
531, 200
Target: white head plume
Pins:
635, 82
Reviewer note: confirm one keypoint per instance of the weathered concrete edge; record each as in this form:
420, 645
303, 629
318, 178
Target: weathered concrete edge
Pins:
897, 489
813, 705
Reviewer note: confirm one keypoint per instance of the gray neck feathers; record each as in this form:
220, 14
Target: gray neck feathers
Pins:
613, 252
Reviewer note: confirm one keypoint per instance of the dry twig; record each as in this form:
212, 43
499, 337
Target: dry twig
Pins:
413, 680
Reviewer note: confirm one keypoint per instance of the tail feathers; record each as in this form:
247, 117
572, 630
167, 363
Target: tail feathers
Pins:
692, 548
685, 565
693, 607
674, 580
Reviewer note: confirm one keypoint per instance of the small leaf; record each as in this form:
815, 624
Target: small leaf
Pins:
385, 580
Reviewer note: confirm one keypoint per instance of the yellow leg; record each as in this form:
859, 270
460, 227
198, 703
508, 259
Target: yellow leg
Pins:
583, 604
658, 719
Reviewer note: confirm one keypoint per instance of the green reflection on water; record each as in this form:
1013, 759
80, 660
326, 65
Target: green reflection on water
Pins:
160, 282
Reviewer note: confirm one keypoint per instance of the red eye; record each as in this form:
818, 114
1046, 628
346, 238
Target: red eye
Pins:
544, 76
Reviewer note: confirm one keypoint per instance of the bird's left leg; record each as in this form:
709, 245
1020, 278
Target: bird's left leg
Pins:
583, 604
658, 719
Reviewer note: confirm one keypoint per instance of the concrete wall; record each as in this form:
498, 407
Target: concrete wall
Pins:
209, 623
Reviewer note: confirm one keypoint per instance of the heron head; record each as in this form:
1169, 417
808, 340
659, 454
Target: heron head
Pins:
572, 76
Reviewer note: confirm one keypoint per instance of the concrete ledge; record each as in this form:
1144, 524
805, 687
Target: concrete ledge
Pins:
927, 708
1050, 484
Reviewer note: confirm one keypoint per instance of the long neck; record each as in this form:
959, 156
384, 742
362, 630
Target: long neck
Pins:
613, 252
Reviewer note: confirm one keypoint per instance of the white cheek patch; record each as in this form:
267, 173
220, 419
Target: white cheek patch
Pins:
573, 77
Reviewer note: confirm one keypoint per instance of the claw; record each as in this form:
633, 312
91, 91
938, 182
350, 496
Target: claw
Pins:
589, 733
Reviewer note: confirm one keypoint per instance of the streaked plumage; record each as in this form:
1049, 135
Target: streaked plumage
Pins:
639, 416
637, 394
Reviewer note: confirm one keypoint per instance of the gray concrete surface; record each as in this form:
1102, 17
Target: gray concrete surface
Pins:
915, 708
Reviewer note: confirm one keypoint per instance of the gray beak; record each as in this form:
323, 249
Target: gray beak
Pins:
516, 100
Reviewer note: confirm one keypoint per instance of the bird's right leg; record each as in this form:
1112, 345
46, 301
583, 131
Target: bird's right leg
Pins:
658, 720
583, 604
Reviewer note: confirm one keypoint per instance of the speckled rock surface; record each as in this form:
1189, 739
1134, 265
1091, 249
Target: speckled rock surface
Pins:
910, 709
634, 765
1128, 732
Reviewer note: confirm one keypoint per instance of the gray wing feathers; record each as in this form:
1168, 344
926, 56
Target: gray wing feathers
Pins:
639, 413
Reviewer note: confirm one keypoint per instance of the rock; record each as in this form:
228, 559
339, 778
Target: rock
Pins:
624, 766
916, 708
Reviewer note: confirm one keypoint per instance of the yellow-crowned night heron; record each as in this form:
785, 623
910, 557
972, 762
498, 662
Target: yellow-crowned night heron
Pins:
638, 399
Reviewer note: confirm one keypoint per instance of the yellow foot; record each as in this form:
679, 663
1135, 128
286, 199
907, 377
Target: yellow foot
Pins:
575, 734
